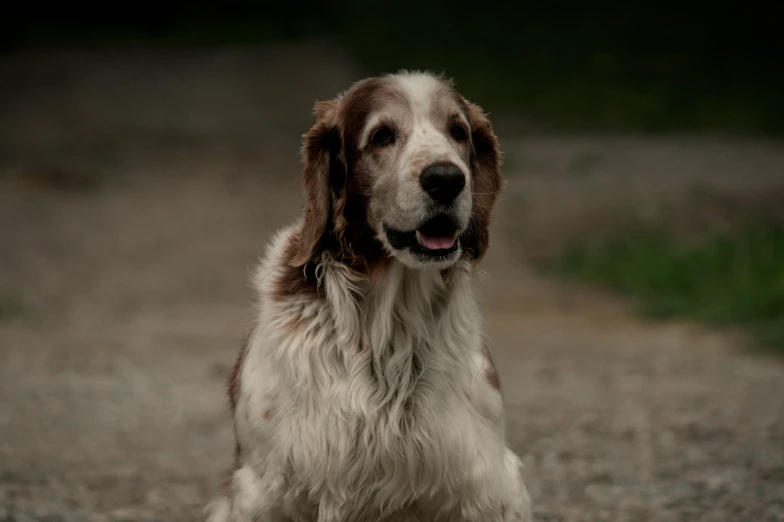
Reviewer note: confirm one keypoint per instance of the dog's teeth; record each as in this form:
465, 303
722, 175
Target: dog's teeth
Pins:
419, 237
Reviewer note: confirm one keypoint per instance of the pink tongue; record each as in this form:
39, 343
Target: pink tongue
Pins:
437, 243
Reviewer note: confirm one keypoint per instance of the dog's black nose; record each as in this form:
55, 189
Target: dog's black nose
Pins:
443, 181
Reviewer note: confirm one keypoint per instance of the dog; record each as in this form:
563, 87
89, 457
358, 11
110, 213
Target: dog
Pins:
366, 390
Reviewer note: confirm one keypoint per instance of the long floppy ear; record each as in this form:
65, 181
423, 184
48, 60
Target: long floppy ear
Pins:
486, 180
320, 152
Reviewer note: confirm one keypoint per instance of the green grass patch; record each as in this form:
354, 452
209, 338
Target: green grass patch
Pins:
726, 279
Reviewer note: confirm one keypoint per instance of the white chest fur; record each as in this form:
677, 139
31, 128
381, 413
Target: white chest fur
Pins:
368, 396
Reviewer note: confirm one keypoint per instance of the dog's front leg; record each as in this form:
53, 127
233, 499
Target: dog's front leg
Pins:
485, 395
517, 505
254, 498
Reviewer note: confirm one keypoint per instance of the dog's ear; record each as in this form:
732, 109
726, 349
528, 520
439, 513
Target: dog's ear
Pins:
486, 181
321, 155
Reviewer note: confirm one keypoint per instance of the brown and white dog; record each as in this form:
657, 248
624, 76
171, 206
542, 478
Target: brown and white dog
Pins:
366, 390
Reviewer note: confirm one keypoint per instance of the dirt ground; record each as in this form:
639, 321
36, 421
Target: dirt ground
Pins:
137, 190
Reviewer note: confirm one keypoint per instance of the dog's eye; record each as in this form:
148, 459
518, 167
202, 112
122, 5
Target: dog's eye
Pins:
458, 132
383, 137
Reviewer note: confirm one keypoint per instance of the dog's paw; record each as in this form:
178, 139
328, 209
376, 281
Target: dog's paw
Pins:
518, 507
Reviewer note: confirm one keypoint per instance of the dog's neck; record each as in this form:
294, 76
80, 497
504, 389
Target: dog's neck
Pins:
389, 334
400, 326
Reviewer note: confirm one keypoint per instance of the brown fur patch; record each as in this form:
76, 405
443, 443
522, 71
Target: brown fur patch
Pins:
491, 372
290, 279
448, 276
234, 392
237, 456
320, 151
486, 180
336, 195
234, 375
226, 482
366, 254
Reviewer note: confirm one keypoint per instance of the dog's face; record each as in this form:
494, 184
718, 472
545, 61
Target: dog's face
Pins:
401, 165
414, 153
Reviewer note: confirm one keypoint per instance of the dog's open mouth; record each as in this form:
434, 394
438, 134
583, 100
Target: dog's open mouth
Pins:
436, 238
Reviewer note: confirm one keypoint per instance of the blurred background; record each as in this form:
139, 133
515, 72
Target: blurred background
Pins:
634, 292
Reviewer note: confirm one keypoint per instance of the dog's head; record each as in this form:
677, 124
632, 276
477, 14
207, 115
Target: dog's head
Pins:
399, 166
